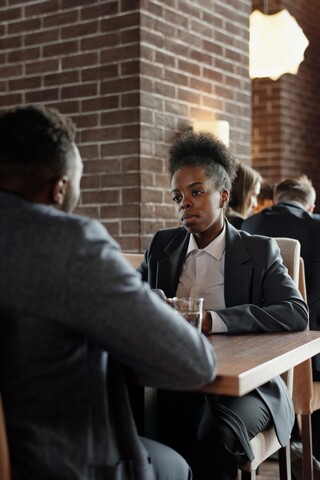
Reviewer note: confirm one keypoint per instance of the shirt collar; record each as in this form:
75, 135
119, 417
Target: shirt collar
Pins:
215, 248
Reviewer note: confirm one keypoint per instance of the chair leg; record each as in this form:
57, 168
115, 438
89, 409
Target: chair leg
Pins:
285, 463
306, 437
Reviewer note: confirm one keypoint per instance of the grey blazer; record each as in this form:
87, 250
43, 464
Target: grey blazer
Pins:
259, 296
71, 309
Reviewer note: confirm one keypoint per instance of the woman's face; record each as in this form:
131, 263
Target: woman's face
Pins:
199, 204
252, 198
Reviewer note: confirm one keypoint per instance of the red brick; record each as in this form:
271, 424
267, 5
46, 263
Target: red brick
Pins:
42, 96
43, 7
23, 25
80, 30
42, 37
42, 66
78, 91
24, 55
100, 41
59, 19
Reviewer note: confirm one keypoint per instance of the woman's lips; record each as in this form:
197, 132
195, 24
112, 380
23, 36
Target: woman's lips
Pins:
188, 218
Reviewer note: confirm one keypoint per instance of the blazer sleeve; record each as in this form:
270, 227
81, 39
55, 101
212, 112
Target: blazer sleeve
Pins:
108, 304
272, 302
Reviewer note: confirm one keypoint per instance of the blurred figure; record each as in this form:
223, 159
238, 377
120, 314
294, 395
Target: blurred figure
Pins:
244, 193
292, 216
265, 197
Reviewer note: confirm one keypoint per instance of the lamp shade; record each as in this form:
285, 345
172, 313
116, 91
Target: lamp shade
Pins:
219, 128
277, 45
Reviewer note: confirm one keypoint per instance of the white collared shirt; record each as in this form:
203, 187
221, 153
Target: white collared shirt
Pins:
203, 276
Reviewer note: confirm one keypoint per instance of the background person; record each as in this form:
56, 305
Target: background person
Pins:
244, 192
292, 216
246, 289
265, 197
71, 309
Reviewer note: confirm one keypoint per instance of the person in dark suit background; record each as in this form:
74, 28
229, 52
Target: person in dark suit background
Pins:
246, 289
292, 216
72, 312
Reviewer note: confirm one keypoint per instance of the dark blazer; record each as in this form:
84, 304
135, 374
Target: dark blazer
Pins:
259, 296
290, 219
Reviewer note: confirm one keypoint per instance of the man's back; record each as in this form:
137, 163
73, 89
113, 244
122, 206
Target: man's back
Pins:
63, 291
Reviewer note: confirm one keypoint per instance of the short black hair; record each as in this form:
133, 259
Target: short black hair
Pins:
33, 142
204, 150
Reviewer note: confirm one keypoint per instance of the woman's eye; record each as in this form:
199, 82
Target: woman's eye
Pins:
196, 193
177, 198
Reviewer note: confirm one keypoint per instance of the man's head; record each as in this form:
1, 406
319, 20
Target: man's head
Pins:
38, 158
298, 190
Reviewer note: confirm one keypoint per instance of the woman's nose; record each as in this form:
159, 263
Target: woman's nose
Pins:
186, 202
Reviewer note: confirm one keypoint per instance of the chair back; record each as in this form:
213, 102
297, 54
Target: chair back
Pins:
4, 451
133, 258
290, 253
305, 397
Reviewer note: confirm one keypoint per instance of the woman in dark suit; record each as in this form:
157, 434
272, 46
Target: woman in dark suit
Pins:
245, 289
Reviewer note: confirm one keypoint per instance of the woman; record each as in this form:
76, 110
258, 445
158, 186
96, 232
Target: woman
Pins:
245, 289
245, 190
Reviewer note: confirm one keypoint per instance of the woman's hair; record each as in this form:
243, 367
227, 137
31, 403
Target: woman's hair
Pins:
204, 150
243, 184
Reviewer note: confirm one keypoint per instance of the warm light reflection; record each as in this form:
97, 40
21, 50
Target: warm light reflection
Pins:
219, 128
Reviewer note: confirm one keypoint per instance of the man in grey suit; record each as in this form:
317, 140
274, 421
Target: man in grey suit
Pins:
292, 216
72, 312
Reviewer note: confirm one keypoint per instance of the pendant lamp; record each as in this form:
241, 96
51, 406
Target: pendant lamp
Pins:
277, 45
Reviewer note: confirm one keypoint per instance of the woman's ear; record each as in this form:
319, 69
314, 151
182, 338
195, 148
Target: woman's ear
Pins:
59, 191
224, 198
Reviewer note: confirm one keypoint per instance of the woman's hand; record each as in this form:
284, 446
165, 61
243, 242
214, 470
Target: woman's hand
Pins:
206, 322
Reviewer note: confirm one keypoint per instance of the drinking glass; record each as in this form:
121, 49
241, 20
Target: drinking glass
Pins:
191, 309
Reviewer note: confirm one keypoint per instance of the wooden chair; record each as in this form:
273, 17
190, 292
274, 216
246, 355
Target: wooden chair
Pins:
134, 258
4, 451
144, 401
306, 397
266, 443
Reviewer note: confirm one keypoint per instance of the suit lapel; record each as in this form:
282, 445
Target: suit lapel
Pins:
238, 270
170, 265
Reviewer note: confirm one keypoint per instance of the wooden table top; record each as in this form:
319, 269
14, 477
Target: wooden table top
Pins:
247, 361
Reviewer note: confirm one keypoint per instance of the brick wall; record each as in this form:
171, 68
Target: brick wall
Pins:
286, 115
194, 66
132, 74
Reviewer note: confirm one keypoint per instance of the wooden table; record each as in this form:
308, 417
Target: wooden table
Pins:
247, 361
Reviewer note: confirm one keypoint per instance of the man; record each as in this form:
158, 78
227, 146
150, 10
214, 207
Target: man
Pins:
291, 216
71, 309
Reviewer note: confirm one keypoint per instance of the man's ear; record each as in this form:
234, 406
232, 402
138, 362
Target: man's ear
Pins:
59, 190
310, 208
